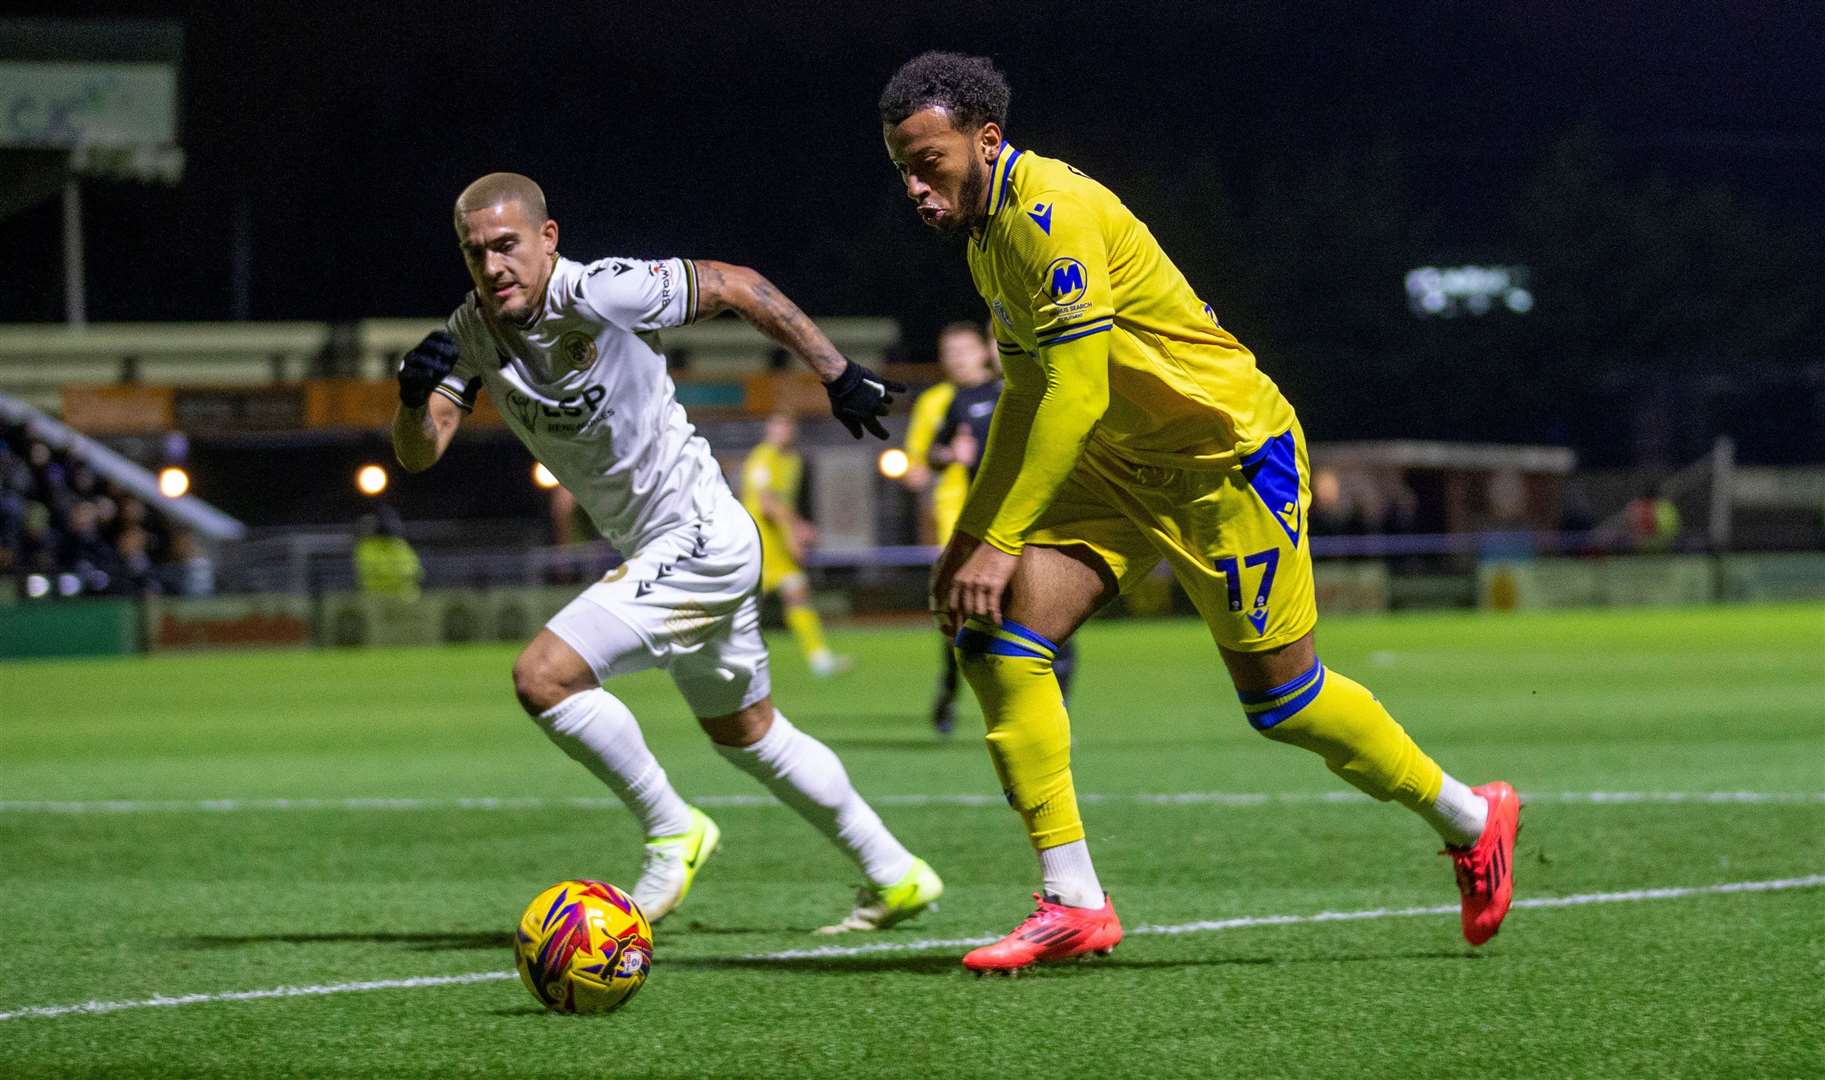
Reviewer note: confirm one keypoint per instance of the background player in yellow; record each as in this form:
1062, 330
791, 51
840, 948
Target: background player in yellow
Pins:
1133, 428
967, 361
769, 489
385, 564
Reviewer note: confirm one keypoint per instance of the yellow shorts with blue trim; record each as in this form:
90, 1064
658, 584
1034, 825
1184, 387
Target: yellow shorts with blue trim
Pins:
1235, 539
777, 565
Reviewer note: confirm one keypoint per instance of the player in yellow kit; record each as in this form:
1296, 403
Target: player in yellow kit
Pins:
769, 489
1133, 428
967, 359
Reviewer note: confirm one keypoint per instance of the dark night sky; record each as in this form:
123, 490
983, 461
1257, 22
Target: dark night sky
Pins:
748, 134
1245, 134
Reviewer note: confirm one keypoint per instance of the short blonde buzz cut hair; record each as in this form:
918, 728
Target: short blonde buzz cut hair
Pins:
503, 187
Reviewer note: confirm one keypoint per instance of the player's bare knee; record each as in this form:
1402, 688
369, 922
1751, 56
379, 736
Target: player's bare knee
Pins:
744, 727
1056, 589
533, 686
544, 675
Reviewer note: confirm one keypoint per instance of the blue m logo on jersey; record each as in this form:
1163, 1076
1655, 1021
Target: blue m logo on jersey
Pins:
1066, 284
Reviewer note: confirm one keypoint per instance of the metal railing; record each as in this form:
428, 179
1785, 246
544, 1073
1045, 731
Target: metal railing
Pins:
323, 561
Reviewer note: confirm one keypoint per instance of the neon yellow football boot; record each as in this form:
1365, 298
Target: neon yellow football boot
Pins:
878, 907
671, 865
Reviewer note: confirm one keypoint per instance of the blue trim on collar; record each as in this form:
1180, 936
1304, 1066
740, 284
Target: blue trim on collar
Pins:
1004, 164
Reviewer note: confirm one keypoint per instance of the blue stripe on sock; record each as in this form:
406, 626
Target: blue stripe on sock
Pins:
1018, 630
1261, 721
977, 643
1262, 697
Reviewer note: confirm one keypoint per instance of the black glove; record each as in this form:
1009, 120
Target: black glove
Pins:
858, 396
424, 367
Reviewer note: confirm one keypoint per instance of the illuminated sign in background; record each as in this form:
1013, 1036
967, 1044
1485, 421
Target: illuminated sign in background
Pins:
1448, 291
73, 105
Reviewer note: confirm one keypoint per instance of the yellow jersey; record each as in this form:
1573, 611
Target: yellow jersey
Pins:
770, 469
387, 566
1100, 337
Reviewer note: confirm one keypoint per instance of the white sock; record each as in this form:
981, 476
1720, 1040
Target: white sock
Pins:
1070, 878
597, 730
806, 775
1459, 814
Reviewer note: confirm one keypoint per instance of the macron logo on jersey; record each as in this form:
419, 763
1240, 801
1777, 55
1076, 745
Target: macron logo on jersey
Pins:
1042, 217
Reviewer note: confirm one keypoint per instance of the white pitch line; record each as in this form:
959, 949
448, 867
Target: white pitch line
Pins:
1810, 881
964, 799
95, 1008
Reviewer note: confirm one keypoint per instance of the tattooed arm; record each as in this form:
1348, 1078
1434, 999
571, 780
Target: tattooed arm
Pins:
727, 287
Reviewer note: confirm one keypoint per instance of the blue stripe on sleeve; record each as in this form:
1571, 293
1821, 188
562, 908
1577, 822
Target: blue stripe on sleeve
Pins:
1074, 336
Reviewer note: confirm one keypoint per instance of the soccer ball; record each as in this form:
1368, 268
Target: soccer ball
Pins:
583, 947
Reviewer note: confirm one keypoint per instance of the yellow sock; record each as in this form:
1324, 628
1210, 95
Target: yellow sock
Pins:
1338, 719
806, 628
1029, 734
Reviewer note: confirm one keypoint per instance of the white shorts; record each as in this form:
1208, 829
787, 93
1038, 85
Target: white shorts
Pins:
688, 602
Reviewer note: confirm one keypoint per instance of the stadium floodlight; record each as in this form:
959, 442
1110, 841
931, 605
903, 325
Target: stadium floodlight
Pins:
894, 463
371, 479
542, 476
173, 482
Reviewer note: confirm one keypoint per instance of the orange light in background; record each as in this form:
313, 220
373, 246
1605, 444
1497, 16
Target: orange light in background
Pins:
371, 479
542, 476
173, 482
894, 463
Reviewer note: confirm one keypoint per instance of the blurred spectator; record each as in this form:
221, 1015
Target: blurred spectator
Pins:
1403, 507
385, 564
38, 542
1330, 512
59, 519
190, 571
1576, 514
133, 558
86, 551
1653, 520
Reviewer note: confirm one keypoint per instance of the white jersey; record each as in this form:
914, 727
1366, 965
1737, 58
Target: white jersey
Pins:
585, 387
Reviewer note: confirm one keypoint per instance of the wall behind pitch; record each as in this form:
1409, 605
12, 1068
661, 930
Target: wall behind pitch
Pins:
438, 617
275, 620
69, 628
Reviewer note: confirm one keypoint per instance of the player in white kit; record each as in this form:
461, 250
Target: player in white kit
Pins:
570, 354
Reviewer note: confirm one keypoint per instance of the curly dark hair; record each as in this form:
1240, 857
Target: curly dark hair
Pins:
970, 88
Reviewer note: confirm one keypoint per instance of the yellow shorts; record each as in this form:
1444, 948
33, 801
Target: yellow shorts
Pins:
1236, 540
777, 565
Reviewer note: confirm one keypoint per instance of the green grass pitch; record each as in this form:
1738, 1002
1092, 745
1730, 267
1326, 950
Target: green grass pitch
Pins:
159, 896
